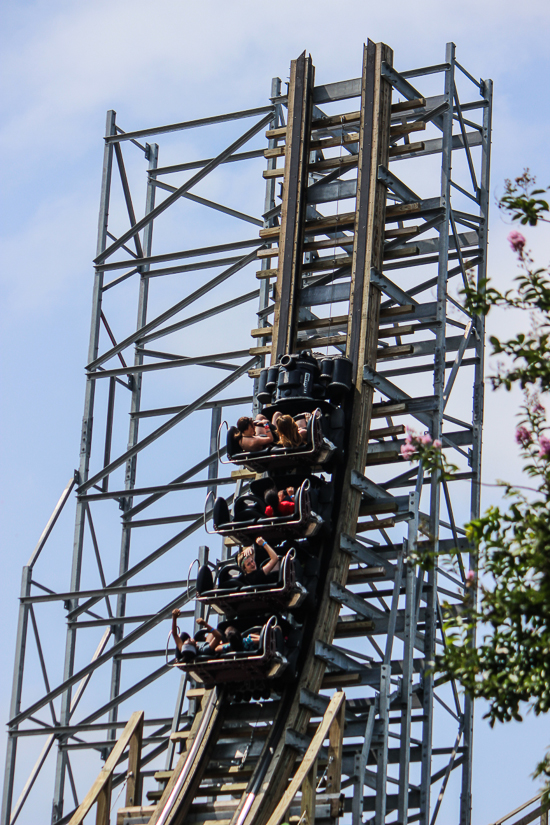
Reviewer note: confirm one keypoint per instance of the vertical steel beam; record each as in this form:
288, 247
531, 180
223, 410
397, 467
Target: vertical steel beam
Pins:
17, 689
130, 477
475, 502
85, 451
382, 761
215, 422
439, 385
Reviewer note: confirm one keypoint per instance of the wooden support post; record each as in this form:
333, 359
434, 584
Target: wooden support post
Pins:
104, 803
335, 751
100, 791
309, 787
133, 785
336, 703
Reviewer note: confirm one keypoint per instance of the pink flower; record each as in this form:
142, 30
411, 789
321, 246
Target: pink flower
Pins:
426, 439
407, 451
470, 575
538, 408
523, 436
437, 444
544, 445
516, 240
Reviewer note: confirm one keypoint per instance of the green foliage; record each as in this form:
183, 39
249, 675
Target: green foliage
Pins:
512, 663
520, 201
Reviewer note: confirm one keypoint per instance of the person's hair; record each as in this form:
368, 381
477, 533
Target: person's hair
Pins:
244, 423
234, 638
288, 432
241, 557
271, 498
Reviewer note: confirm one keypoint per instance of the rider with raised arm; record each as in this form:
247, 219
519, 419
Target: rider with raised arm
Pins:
251, 574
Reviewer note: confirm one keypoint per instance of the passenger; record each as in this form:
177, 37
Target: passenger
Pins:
290, 434
279, 503
188, 649
251, 574
265, 422
253, 435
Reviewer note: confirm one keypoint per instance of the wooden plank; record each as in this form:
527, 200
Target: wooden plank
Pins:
384, 432
310, 757
105, 774
270, 232
320, 323
377, 524
329, 243
404, 232
335, 120
319, 225
141, 812
274, 173
254, 373
407, 148
261, 332
401, 252
243, 473
333, 163
379, 411
272, 252
407, 105
260, 350
391, 312
276, 152
281, 132
195, 693
406, 129
331, 341
265, 274
391, 332
322, 264
384, 353
340, 140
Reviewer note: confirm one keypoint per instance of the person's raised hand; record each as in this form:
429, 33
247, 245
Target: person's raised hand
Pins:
176, 613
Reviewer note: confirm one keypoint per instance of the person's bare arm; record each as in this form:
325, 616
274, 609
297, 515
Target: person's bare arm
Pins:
273, 562
215, 635
256, 442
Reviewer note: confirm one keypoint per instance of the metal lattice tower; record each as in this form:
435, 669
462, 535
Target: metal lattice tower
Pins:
405, 221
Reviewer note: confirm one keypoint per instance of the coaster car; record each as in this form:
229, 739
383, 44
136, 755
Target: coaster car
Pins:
250, 521
233, 596
267, 662
305, 378
317, 450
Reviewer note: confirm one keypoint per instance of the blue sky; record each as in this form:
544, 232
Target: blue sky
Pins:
64, 64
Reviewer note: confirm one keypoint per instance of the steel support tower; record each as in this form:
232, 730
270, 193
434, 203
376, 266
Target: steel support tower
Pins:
404, 219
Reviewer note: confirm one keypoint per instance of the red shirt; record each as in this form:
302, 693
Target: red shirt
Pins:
285, 508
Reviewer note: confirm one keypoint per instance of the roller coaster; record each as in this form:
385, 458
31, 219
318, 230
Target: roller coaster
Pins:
316, 698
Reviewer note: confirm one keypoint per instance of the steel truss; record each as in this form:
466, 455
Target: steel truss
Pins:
404, 247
